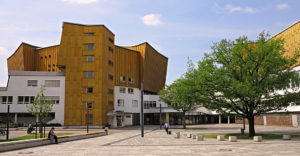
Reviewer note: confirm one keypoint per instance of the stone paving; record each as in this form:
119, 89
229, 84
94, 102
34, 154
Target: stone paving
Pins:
127, 141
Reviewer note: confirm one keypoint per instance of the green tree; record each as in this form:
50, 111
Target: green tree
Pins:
180, 94
246, 77
40, 107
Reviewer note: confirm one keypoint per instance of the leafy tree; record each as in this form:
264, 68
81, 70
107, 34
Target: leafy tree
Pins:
40, 107
246, 77
180, 94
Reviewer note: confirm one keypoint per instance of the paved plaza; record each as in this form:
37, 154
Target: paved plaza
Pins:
127, 141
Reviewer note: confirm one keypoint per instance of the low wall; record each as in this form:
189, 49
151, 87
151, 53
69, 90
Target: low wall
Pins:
14, 145
273, 120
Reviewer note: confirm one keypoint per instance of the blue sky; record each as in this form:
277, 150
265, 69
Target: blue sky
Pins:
176, 28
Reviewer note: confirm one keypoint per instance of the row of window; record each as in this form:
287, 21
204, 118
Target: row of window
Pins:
123, 80
45, 57
90, 90
90, 104
123, 90
93, 34
91, 46
122, 101
149, 104
48, 83
27, 99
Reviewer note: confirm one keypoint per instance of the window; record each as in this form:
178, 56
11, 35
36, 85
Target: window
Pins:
90, 34
122, 79
49, 65
32, 83
45, 57
90, 46
90, 58
130, 90
53, 65
49, 56
6, 99
89, 105
25, 99
134, 103
111, 40
89, 90
31, 99
53, 99
120, 102
110, 63
110, 77
130, 80
110, 102
110, 49
89, 74
149, 104
52, 83
122, 90
110, 91
41, 57
20, 99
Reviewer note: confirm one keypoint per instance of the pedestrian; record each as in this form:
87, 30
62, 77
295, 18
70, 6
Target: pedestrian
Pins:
167, 126
51, 133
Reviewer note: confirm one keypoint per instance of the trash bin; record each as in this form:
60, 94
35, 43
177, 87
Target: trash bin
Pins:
242, 131
106, 130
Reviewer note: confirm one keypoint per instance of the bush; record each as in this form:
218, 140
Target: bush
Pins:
53, 125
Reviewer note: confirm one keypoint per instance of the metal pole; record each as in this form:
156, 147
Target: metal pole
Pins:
243, 123
87, 119
142, 111
7, 123
159, 115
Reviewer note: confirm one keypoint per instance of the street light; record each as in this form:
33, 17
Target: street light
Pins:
159, 115
142, 111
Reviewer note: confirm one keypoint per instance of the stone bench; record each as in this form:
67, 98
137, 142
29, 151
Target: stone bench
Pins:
257, 139
177, 135
189, 135
232, 138
200, 138
194, 136
220, 137
286, 137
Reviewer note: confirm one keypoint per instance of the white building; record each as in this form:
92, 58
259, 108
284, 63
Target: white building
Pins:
23, 86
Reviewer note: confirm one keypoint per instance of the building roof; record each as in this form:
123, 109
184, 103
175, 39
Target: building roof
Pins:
34, 73
89, 25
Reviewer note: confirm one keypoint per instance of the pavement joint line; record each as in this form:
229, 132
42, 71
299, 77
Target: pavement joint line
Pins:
109, 144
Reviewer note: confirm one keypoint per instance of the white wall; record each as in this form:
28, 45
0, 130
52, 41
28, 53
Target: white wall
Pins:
17, 86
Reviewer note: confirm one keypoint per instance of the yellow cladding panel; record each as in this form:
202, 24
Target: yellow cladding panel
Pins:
291, 37
46, 59
78, 42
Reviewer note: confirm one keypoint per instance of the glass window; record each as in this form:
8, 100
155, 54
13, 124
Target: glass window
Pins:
120, 102
130, 80
111, 40
122, 90
90, 58
89, 74
26, 101
110, 91
110, 49
134, 103
110, 63
122, 79
89, 105
20, 99
31, 99
10, 100
90, 46
110, 102
89, 90
130, 90
90, 34
32, 83
4, 100
110, 77
52, 83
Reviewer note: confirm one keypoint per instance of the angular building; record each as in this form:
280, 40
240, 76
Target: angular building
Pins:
94, 69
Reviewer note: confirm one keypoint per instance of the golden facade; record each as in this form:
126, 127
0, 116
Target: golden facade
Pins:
93, 65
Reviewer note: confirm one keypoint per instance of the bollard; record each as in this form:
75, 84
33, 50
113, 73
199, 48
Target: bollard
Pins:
189, 135
220, 137
200, 138
106, 130
232, 139
257, 138
194, 136
178, 135
286, 137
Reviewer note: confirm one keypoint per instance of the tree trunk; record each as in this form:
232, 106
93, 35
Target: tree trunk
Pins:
40, 127
183, 120
251, 126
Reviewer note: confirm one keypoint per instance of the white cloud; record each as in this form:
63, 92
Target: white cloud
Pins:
3, 51
249, 10
80, 1
282, 6
152, 19
233, 9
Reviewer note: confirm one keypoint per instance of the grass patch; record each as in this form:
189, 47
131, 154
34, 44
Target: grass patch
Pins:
32, 136
189, 128
239, 136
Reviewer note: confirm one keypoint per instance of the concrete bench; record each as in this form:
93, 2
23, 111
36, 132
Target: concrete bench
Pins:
200, 138
232, 138
286, 137
257, 139
220, 137
194, 136
189, 135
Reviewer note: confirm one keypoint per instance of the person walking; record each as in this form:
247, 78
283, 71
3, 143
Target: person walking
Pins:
51, 133
167, 126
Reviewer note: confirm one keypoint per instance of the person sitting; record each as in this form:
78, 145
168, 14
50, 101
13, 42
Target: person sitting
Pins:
51, 133
30, 129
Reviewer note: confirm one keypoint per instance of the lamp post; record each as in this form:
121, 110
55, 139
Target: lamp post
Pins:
7, 123
159, 115
142, 111
87, 119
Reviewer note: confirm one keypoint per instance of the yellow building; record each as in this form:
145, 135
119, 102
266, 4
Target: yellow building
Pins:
93, 65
